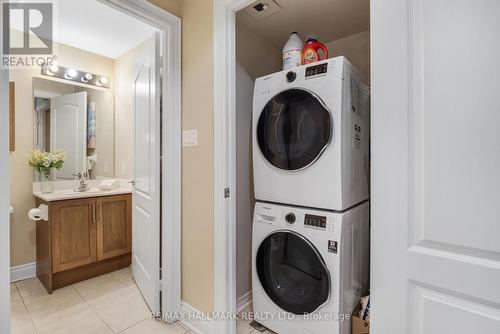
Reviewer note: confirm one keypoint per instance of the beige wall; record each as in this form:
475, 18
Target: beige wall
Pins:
197, 162
257, 56
356, 48
22, 232
171, 6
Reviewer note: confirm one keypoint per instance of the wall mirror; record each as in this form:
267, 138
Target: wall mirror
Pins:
79, 121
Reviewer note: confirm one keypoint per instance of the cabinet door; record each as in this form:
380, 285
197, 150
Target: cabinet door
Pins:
114, 226
74, 233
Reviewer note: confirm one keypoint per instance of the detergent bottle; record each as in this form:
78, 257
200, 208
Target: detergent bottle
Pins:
310, 52
292, 52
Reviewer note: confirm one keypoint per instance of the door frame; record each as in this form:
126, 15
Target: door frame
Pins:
4, 195
225, 160
170, 28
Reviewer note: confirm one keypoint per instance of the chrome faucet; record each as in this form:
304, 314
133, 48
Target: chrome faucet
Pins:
83, 182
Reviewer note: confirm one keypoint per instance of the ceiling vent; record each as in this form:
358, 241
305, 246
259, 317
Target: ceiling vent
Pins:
260, 10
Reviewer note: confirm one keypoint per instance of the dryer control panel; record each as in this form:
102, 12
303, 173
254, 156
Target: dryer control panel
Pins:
315, 221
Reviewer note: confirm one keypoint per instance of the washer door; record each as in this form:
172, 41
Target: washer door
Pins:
294, 128
292, 272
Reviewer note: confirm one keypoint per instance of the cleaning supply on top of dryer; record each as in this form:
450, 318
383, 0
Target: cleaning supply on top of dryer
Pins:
292, 52
310, 52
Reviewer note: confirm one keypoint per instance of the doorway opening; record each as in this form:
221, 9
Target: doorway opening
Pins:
106, 113
250, 37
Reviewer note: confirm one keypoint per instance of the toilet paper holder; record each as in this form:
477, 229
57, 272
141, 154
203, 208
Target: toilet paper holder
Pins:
40, 213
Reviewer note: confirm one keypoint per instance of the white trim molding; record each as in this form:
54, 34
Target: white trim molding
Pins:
23, 271
170, 27
224, 160
195, 325
244, 301
4, 195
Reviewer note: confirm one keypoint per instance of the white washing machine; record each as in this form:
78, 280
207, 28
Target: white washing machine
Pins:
311, 136
309, 267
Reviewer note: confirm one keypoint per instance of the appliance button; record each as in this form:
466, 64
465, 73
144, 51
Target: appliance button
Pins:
290, 218
290, 76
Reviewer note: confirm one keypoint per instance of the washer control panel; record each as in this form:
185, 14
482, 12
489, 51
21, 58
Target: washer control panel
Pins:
315, 221
316, 70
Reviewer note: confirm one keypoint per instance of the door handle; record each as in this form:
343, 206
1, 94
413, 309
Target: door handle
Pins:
93, 213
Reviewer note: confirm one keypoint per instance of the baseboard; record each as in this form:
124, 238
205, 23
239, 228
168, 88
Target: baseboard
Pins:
23, 271
195, 325
244, 301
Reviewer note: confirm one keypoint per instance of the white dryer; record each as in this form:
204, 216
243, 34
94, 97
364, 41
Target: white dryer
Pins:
309, 267
311, 136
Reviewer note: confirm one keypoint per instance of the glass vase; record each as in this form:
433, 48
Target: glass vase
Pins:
46, 183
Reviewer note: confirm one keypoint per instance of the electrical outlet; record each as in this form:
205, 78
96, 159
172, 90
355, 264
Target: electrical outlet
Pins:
190, 138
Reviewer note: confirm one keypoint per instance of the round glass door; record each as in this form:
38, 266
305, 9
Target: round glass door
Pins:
292, 273
293, 130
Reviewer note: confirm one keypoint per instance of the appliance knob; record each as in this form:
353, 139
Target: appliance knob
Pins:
290, 218
291, 76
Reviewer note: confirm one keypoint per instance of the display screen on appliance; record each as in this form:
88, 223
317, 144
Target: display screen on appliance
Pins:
317, 69
315, 221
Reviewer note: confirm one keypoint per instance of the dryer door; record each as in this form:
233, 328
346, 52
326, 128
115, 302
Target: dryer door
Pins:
293, 130
292, 272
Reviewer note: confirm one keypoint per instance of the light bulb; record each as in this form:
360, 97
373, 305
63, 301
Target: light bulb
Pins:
53, 68
71, 73
103, 80
87, 77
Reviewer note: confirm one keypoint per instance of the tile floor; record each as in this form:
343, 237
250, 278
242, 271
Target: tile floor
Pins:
103, 305
106, 304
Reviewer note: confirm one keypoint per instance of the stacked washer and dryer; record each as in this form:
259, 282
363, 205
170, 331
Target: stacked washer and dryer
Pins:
310, 243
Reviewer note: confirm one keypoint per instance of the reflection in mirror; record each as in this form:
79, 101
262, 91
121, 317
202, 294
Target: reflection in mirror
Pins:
79, 121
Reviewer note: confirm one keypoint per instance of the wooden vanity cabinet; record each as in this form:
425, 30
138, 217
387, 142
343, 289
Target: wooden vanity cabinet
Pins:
83, 238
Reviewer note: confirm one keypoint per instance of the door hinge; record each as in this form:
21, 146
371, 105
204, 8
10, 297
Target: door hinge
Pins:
227, 192
160, 285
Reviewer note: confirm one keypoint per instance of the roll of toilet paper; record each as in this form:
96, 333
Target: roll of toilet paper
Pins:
37, 214
34, 214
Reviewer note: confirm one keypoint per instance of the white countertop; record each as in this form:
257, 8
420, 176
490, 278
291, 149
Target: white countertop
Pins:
61, 195
63, 190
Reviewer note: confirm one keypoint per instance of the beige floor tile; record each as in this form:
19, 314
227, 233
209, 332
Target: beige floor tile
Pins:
100, 284
125, 276
30, 287
14, 294
41, 301
20, 321
52, 313
119, 308
77, 319
155, 327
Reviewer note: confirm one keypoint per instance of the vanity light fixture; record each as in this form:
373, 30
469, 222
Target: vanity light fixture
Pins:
71, 74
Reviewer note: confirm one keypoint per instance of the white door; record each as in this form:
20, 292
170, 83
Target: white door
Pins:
435, 166
146, 196
68, 132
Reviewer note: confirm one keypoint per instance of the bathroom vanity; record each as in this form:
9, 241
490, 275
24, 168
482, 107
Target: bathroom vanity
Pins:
86, 235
